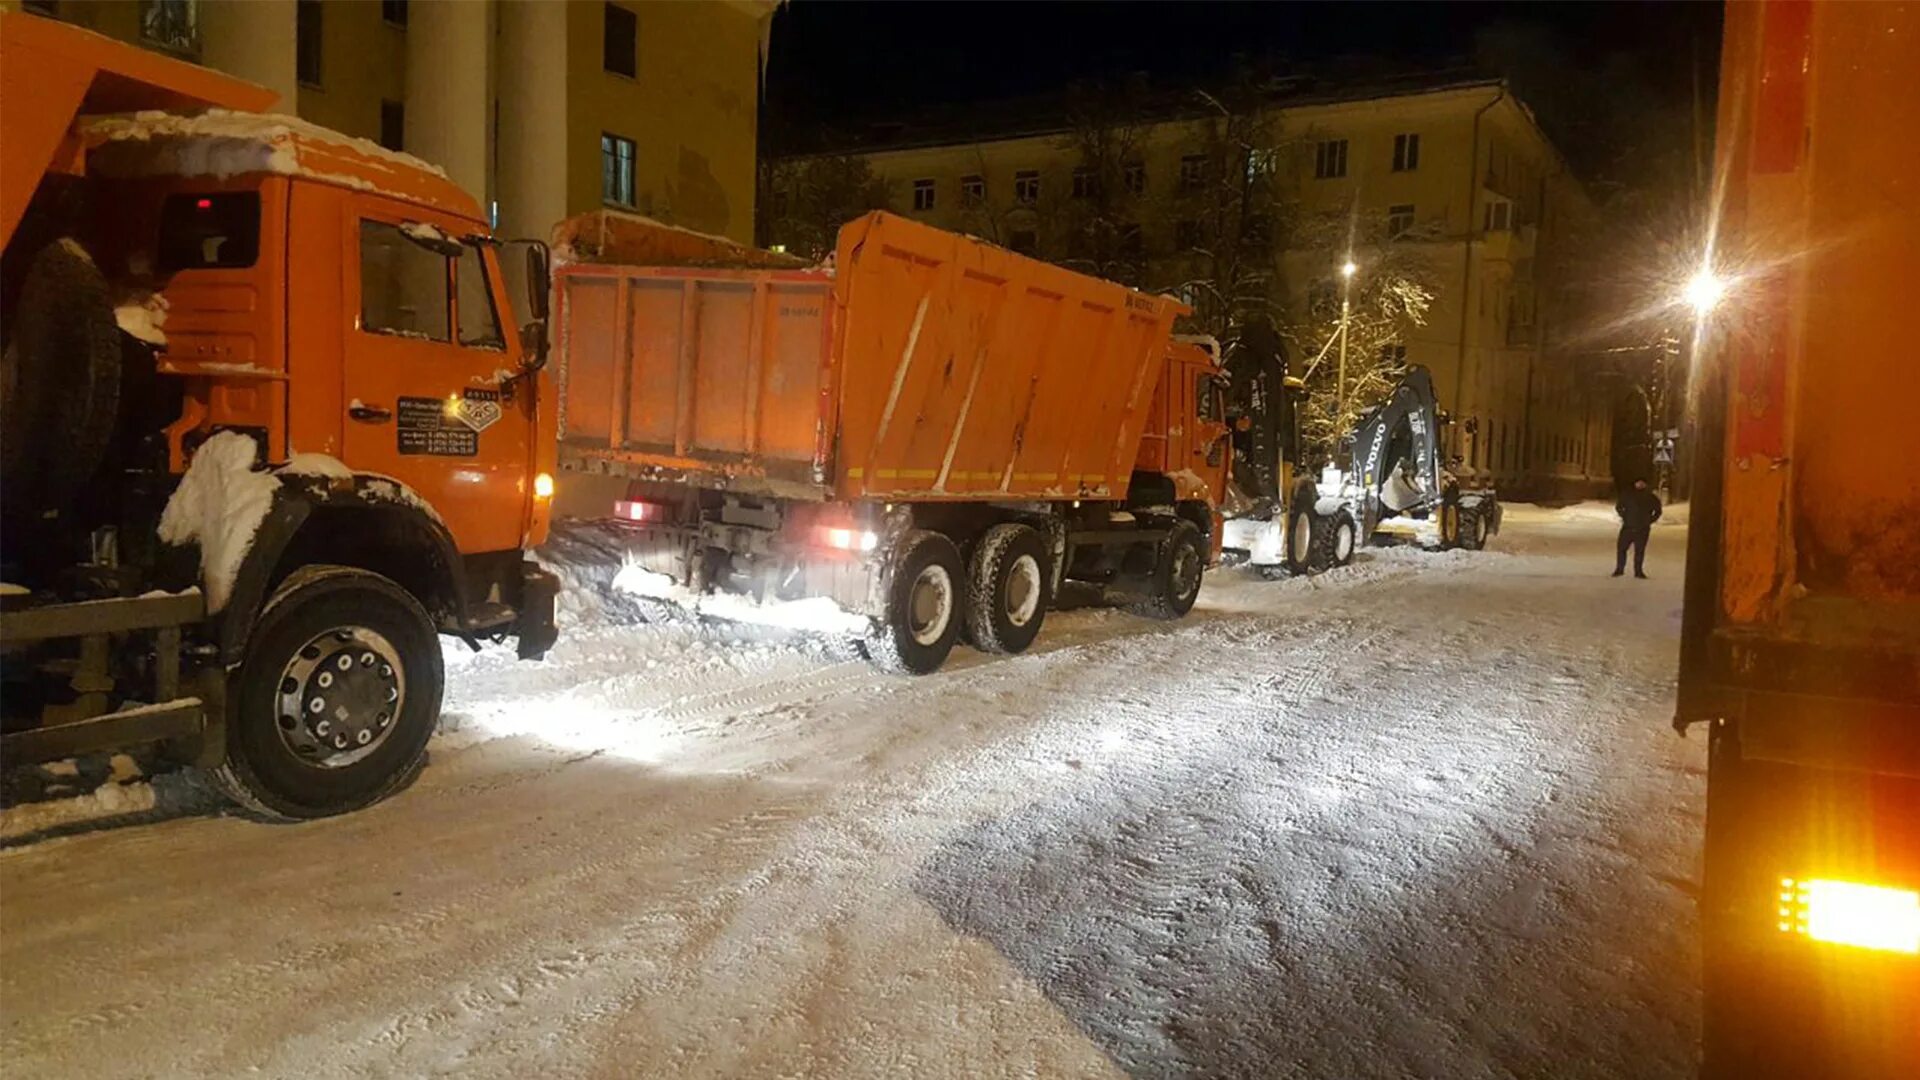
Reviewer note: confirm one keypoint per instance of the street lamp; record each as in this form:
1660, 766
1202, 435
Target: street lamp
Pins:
1704, 290
1347, 270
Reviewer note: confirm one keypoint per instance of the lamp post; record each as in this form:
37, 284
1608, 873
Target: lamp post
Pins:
1347, 270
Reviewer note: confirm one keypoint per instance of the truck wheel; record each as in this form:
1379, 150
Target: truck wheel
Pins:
335, 699
923, 606
1007, 589
1337, 539
1176, 580
1449, 526
61, 373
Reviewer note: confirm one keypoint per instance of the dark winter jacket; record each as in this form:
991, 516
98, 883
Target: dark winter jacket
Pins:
1638, 510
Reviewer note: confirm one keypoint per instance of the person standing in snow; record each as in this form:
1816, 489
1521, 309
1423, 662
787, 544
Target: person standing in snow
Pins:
1638, 508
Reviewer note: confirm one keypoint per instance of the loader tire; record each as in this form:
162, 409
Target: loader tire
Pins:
1298, 543
1007, 589
59, 380
1176, 577
335, 699
1335, 540
925, 594
1473, 529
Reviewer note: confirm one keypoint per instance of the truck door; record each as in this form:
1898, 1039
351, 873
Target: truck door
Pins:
427, 364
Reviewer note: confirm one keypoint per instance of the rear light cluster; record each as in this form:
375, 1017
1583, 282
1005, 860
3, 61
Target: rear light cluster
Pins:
1851, 913
846, 539
634, 510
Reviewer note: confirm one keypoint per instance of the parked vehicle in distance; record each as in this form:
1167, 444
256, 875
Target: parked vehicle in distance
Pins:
919, 444
267, 430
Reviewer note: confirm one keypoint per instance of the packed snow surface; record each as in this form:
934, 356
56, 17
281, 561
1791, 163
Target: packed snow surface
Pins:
221, 143
1422, 816
219, 505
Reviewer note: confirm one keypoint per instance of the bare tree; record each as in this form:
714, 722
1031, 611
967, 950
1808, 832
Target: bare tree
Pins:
1102, 222
804, 201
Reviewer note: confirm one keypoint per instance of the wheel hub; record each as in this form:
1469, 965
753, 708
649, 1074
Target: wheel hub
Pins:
1186, 571
931, 605
1023, 590
340, 696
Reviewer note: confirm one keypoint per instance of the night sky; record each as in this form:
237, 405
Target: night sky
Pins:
841, 63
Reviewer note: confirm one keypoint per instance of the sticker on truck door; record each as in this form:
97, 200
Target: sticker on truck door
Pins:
447, 427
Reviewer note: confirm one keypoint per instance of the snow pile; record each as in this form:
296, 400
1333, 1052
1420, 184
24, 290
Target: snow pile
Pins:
814, 614
219, 505
141, 314
221, 143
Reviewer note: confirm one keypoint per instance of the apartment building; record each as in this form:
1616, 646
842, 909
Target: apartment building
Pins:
540, 108
1458, 167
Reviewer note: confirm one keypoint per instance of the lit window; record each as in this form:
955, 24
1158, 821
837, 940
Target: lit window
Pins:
616, 170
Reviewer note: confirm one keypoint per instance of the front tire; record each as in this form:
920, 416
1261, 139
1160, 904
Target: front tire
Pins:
923, 614
1473, 529
1338, 538
1176, 578
1008, 589
333, 703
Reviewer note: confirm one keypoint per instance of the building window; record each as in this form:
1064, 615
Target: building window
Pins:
1134, 175
1186, 235
171, 24
393, 125
1086, 183
1399, 220
621, 43
616, 170
306, 28
1193, 172
1499, 215
394, 11
1026, 187
1024, 241
1330, 159
923, 194
1406, 153
973, 190
403, 285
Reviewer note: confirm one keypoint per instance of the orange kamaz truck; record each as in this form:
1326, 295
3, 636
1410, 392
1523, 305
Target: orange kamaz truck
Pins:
920, 442
270, 429
1801, 631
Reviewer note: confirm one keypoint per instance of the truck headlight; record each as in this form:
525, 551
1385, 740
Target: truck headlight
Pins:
543, 486
1851, 913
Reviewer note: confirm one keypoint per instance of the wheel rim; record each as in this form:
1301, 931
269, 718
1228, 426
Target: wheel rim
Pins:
1302, 537
339, 697
1185, 572
1023, 590
1343, 542
930, 605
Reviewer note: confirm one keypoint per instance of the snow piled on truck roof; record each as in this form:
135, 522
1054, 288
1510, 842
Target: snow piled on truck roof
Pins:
221, 143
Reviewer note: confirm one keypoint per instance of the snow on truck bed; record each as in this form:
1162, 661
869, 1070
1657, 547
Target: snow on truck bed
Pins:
1420, 816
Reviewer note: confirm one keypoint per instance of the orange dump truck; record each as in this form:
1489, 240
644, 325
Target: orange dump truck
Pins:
1801, 633
922, 441
269, 430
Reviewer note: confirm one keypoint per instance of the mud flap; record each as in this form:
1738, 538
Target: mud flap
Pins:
535, 626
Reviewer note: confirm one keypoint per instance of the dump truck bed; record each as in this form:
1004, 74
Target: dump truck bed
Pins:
923, 366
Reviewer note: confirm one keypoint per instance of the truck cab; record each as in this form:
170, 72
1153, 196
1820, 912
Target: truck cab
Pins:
272, 427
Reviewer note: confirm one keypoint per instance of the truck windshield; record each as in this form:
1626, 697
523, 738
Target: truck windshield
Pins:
215, 231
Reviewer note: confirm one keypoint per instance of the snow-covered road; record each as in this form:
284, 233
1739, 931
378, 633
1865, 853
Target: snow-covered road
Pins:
1422, 816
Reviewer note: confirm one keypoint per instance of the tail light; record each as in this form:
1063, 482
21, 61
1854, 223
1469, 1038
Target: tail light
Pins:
635, 510
847, 539
1851, 913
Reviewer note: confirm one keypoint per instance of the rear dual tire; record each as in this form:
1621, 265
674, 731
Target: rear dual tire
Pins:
923, 613
1009, 589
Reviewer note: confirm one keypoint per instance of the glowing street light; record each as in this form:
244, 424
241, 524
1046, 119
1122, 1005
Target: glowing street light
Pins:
1704, 290
1348, 268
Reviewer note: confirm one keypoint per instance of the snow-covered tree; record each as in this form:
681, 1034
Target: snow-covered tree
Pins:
1388, 294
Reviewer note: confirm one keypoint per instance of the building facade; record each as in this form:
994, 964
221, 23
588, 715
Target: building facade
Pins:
539, 108
1459, 170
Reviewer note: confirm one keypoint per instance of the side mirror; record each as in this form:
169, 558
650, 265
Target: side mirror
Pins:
539, 287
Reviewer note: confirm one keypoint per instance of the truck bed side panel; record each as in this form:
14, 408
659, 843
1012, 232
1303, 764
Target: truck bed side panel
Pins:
970, 372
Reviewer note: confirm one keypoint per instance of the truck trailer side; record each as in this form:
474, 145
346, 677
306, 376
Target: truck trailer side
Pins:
933, 434
1801, 633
